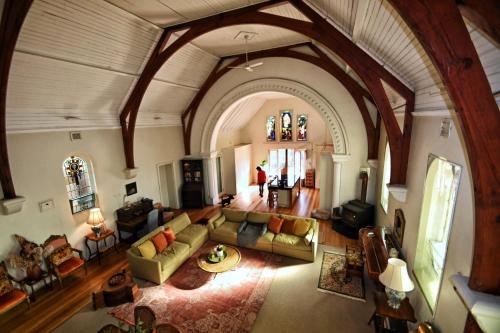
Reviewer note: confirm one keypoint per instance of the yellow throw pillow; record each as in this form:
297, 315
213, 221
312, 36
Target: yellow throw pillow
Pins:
147, 249
301, 227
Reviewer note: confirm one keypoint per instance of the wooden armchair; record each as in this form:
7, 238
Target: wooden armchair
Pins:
61, 258
10, 296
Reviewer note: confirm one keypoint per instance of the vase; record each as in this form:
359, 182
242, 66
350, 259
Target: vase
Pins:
34, 273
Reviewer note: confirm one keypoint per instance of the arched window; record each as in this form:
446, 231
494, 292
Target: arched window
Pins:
79, 185
386, 178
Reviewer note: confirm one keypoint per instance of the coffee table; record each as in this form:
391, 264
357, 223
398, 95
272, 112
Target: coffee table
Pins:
232, 259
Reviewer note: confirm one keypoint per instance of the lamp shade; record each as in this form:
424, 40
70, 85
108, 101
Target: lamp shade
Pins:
396, 276
95, 217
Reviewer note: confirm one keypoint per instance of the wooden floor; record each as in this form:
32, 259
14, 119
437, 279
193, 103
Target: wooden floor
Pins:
55, 306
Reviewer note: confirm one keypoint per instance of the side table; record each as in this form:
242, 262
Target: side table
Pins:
102, 237
118, 289
387, 319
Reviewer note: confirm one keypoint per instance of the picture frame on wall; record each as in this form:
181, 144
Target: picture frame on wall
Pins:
398, 229
286, 132
271, 128
131, 188
302, 127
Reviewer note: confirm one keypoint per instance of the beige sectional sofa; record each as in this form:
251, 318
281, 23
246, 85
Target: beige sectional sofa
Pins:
189, 238
223, 228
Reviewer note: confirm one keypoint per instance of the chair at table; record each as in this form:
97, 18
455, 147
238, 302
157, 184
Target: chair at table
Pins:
146, 316
10, 296
61, 257
272, 197
167, 328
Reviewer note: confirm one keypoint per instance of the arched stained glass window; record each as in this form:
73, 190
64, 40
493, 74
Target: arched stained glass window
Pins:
79, 184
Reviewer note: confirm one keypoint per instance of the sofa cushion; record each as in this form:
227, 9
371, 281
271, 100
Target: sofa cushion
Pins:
219, 221
301, 227
290, 241
179, 223
229, 228
234, 215
169, 235
308, 238
147, 249
160, 242
288, 226
145, 238
258, 217
192, 235
173, 255
275, 224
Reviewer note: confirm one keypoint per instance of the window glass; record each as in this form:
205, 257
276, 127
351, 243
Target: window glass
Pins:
386, 178
79, 185
273, 163
438, 204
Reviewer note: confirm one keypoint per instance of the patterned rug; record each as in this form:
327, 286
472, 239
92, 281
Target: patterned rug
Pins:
198, 301
332, 278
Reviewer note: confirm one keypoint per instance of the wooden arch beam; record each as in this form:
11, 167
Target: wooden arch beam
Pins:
444, 36
367, 68
13, 15
322, 61
484, 14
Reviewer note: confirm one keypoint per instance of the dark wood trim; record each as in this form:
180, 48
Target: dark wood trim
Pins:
440, 29
318, 29
14, 13
484, 15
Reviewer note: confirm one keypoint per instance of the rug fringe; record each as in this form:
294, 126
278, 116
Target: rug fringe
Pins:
341, 295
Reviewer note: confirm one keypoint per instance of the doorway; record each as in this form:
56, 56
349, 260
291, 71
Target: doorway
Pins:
168, 193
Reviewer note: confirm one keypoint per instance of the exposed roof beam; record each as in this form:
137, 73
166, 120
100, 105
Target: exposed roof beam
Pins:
13, 15
484, 15
439, 27
321, 60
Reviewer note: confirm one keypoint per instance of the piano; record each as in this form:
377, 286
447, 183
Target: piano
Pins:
376, 252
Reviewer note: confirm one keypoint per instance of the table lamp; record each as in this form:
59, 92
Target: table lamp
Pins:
96, 220
396, 281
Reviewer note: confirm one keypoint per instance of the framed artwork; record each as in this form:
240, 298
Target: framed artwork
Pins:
399, 226
286, 125
131, 188
302, 127
271, 128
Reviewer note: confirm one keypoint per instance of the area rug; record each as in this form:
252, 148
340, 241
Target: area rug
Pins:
226, 302
331, 278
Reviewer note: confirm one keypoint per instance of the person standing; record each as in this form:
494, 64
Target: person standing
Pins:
261, 180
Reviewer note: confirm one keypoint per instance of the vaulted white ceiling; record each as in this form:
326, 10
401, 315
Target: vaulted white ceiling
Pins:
76, 61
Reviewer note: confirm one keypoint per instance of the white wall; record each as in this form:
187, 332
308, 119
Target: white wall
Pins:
450, 313
313, 77
255, 131
36, 164
243, 166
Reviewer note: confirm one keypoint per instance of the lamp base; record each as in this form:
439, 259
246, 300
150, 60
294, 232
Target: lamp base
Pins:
97, 230
394, 297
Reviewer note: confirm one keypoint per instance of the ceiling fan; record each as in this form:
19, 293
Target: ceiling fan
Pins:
249, 67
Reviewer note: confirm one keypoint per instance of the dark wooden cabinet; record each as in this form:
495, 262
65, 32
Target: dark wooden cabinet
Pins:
193, 192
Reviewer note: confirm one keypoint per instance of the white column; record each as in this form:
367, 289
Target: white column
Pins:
210, 177
337, 181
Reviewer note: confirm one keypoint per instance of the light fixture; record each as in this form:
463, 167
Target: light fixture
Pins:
96, 221
396, 281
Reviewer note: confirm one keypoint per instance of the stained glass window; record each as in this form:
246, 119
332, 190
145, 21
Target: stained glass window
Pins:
286, 125
78, 184
271, 128
302, 127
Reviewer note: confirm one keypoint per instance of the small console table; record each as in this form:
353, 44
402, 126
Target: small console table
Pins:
96, 239
389, 320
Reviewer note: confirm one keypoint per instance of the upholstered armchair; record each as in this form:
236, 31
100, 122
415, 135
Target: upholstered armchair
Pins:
10, 296
61, 257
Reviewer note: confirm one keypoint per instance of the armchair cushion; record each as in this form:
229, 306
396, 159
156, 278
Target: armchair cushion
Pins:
61, 254
70, 265
5, 285
11, 299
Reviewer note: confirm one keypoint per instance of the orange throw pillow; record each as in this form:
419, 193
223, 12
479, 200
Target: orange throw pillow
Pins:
160, 242
288, 226
169, 235
274, 224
